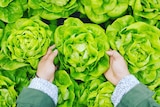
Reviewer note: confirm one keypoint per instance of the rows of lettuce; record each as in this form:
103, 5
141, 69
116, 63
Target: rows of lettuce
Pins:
29, 27
98, 11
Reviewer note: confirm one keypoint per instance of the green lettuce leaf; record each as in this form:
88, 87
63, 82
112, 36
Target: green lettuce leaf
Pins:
21, 77
7, 64
155, 87
8, 94
157, 95
12, 10
2, 25
66, 89
146, 10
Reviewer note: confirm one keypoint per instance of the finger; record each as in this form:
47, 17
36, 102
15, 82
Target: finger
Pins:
43, 58
53, 55
113, 53
110, 53
50, 49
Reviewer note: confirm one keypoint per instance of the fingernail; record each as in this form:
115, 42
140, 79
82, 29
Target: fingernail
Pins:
55, 51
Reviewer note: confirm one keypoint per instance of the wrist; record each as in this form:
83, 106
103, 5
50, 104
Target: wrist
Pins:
121, 77
37, 76
50, 79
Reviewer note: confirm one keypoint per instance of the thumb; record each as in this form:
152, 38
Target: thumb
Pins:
53, 55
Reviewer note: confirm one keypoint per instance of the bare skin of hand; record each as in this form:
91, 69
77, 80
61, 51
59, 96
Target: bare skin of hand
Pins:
118, 68
46, 68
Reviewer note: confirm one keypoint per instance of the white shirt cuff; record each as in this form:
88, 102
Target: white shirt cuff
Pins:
46, 87
124, 85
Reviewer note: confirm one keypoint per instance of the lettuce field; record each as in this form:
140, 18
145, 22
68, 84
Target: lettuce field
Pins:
82, 30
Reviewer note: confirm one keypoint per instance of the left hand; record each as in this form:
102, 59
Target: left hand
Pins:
46, 68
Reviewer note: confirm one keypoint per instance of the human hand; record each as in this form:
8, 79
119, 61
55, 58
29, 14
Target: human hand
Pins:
46, 68
118, 67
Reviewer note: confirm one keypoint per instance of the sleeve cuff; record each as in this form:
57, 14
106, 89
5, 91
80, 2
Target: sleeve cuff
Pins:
46, 87
124, 85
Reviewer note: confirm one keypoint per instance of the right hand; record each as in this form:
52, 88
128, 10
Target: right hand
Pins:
118, 67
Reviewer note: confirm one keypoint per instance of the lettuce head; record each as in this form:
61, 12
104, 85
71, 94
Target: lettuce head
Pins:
100, 11
52, 9
82, 48
25, 41
139, 43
